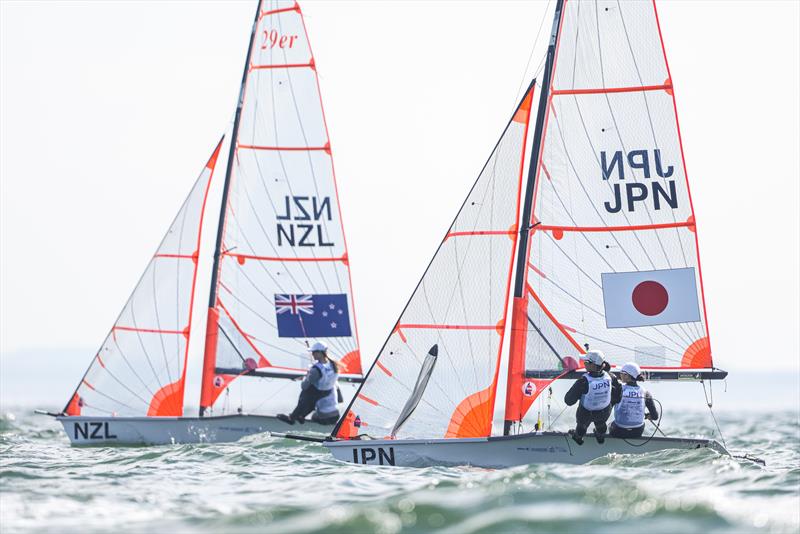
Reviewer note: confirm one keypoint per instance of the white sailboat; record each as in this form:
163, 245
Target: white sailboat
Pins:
280, 278
597, 242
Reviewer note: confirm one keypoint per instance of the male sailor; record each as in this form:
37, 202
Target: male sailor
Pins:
629, 414
596, 390
318, 390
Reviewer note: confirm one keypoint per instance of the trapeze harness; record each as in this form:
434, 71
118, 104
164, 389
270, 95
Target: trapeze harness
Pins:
326, 384
629, 412
598, 396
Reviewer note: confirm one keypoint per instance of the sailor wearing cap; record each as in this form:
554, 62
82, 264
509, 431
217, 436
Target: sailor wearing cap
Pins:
318, 390
629, 414
596, 390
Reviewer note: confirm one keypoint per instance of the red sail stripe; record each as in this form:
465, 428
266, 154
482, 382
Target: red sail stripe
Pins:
367, 399
479, 232
449, 326
606, 90
284, 66
147, 330
295, 7
277, 258
182, 256
285, 148
616, 228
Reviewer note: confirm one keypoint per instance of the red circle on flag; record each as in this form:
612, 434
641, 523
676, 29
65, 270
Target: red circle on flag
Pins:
650, 298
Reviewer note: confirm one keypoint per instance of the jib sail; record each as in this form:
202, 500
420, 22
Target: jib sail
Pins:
140, 368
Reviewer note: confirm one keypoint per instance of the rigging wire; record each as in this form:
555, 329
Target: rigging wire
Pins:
530, 56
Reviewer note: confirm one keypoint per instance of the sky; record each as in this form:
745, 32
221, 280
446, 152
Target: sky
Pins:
108, 111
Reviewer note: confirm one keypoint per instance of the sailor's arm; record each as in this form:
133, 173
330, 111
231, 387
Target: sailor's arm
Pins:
651, 407
580, 387
311, 379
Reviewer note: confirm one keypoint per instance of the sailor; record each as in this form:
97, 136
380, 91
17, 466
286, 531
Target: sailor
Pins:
318, 390
629, 414
596, 390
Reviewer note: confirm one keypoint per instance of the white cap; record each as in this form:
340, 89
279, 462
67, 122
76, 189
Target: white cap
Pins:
594, 356
632, 369
318, 347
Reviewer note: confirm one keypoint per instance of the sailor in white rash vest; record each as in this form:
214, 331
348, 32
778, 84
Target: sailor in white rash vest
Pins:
596, 390
318, 390
629, 414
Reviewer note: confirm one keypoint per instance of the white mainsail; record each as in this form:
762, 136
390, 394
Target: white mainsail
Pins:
283, 274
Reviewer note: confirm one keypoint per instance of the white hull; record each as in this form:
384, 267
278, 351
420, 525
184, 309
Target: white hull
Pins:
88, 430
505, 451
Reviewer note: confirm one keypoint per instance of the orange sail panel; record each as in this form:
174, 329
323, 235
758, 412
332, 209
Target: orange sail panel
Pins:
460, 306
141, 367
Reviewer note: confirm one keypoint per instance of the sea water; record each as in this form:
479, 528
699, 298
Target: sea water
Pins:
268, 484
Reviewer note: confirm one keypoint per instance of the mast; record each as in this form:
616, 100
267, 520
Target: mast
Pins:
516, 362
209, 359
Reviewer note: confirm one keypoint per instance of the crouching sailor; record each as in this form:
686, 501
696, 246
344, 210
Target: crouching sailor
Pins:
597, 391
318, 390
629, 414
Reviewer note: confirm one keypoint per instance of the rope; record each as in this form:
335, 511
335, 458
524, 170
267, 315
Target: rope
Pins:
710, 403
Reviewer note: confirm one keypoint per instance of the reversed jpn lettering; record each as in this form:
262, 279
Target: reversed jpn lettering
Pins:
631, 195
608, 168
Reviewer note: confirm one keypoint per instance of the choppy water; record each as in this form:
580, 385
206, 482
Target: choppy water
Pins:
266, 484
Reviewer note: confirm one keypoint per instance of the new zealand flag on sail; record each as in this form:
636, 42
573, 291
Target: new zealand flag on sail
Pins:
312, 315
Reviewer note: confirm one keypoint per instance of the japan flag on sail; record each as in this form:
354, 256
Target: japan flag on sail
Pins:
647, 298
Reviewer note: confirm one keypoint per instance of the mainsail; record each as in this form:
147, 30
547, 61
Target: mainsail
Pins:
460, 305
281, 273
140, 368
613, 257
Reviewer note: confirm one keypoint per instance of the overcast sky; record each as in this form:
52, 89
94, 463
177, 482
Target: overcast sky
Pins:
109, 111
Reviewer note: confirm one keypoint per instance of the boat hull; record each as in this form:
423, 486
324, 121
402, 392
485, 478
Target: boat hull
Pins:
502, 451
88, 430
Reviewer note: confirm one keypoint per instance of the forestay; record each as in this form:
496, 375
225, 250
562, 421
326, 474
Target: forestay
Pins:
613, 261
140, 368
460, 305
283, 270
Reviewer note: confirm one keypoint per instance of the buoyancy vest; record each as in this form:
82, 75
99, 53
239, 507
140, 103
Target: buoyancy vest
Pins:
629, 413
599, 395
326, 382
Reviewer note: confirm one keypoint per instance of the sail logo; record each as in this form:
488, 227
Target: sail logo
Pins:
369, 454
628, 194
528, 388
92, 430
301, 223
274, 39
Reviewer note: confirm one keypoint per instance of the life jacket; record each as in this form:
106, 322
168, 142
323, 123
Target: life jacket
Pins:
326, 382
629, 413
599, 395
